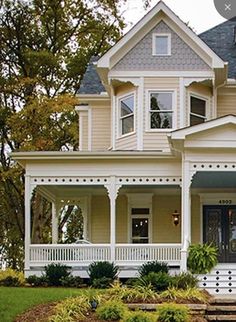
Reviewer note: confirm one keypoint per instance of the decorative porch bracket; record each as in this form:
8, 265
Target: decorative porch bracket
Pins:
113, 190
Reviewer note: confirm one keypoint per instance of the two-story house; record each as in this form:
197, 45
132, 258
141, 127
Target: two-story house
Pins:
156, 169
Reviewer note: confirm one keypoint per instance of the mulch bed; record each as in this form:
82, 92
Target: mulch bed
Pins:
39, 313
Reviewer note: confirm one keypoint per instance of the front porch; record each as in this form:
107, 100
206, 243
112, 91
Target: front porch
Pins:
79, 257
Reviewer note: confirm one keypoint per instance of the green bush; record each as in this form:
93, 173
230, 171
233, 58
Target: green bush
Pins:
173, 313
111, 310
98, 270
54, 273
71, 281
140, 316
133, 295
191, 294
71, 309
202, 258
184, 281
10, 277
153, 267
34, 280
159, 281
103, 282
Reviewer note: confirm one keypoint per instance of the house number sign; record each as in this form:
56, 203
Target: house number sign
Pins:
225, 202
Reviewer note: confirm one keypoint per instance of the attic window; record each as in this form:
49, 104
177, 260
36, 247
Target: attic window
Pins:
161, 45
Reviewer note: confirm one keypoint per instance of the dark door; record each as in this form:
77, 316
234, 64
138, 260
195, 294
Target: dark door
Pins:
220, 229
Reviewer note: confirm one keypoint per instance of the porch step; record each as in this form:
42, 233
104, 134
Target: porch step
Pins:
222, 309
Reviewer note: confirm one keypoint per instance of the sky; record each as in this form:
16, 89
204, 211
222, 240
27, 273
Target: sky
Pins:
201, 14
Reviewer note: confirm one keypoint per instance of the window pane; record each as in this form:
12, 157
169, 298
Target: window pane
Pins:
161, 120
127, 106
194, 120
198, 106
161, 101
127, 124
161, 45
140, 230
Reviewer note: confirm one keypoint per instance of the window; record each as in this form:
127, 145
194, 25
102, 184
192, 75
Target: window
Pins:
161, 45
161, 110
197, 110
126, 112
140, 225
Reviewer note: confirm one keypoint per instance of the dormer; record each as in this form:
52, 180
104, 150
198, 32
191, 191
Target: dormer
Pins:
159, 77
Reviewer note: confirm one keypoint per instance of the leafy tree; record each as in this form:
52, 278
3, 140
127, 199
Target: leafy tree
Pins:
46, 46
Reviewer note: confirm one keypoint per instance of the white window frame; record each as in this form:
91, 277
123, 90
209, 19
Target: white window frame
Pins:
119, 118
203, 98
174, 109
154, 37
139, 200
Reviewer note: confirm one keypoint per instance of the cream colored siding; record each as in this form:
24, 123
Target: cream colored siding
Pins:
100, 220
101, 128
201, 91
128, 142
84, 132
153, 140
226, 101
163, 230
195, 219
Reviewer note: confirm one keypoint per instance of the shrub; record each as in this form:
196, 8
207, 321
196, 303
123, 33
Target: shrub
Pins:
191, 294
103, 282
202, 258
10, 277
140, 316
71, 281
34, 280
71, 309
98, 270
55, 272
159, 281
112, 310
132, 282
184, 281
173, 313
133, 295
151, 267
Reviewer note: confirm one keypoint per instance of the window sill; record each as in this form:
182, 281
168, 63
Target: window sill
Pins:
125, 135
159, 130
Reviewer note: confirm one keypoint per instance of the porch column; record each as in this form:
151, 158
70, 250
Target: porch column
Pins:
84, 209
186, 214
28, 194
112, 190
54, 223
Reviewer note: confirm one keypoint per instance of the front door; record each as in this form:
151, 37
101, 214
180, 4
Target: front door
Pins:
220, 230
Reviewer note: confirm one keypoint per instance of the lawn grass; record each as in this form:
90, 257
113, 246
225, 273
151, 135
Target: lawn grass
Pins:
16, 300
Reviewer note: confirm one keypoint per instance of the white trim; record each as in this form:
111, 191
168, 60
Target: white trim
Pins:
81, 132
104, 61
119, 134
174, 73
207, 106
182, 109
140, 115
174, 109
113, 120
154, 47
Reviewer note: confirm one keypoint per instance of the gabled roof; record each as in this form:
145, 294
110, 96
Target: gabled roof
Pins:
222, 40
181, 134
161, 7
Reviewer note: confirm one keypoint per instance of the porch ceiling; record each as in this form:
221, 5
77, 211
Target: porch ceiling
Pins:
214, 180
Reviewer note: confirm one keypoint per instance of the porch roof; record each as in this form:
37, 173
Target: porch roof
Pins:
25, 157
217, 133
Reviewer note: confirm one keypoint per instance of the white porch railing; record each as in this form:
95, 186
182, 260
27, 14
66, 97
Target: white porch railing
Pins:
82, 255
139, 253
73, 254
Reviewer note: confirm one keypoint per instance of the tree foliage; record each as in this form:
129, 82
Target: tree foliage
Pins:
46, 46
